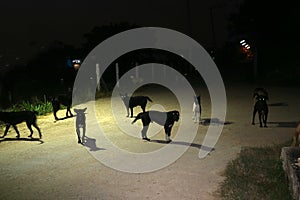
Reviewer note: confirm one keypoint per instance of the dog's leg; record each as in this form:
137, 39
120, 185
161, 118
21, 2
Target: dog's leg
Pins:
200, 113
78, 134
38, 129
16, 129
260, 119
55, 117
194, 112
55, 114
265, 119
143, 107
197, 117
55, 106
29, 127
144, 133
6, 130
69, 112
131, 109
83, 134
168, 129
127, 109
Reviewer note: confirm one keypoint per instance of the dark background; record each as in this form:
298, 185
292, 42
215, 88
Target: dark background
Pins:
37, 37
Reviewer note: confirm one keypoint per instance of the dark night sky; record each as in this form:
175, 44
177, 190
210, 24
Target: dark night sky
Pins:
27, 25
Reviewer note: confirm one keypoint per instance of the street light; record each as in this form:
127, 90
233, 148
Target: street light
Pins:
76, 63
251, 54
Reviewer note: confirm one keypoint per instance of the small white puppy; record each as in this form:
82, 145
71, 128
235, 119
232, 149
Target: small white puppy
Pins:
197, 110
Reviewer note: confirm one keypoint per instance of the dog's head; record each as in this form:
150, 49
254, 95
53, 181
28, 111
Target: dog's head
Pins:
125, 95
197, 100
125, 98
80, 112
174, 115
261, 92
261, 98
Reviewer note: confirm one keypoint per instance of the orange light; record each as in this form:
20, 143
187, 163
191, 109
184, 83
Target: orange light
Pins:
76, 66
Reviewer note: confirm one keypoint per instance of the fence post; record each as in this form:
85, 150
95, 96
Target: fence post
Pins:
98, 76
117, 74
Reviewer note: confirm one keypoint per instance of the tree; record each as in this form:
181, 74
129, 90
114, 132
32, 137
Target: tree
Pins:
99, 34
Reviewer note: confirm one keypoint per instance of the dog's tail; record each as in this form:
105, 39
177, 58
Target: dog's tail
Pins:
35, 112
139, 116
149, 99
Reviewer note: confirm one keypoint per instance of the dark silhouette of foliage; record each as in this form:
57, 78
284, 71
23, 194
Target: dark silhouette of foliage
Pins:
99, 34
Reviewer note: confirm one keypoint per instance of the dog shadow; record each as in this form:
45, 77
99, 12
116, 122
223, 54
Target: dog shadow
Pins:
91, 144
2, 139
214, 121
198, 146
284, 124
278, 104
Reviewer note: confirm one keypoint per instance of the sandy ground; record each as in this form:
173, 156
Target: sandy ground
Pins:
58, 168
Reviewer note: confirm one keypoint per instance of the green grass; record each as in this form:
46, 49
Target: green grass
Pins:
256, 174
42, 107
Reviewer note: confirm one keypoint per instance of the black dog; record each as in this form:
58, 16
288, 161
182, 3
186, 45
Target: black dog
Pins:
14, 118
80, 123
65, 100
261, 107
131, 102
260, 92
166, 119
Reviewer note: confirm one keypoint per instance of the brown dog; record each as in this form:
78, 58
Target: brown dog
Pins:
296, 135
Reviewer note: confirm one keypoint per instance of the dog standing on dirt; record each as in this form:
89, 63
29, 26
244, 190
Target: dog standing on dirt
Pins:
65, 100
131, 102
261, 107
166, 119
80, 123
14, 118
260, 92
197, 109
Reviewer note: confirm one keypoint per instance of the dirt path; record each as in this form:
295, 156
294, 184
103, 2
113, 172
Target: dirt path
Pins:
59, 168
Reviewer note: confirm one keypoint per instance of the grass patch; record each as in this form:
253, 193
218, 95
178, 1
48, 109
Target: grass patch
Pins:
256, 174
42, 107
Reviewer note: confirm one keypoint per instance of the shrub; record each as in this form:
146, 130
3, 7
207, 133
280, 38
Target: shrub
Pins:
41, 107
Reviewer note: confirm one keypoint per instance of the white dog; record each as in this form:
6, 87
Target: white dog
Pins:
197, 110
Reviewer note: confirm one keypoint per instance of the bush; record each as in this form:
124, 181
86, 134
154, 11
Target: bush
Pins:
41, 107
